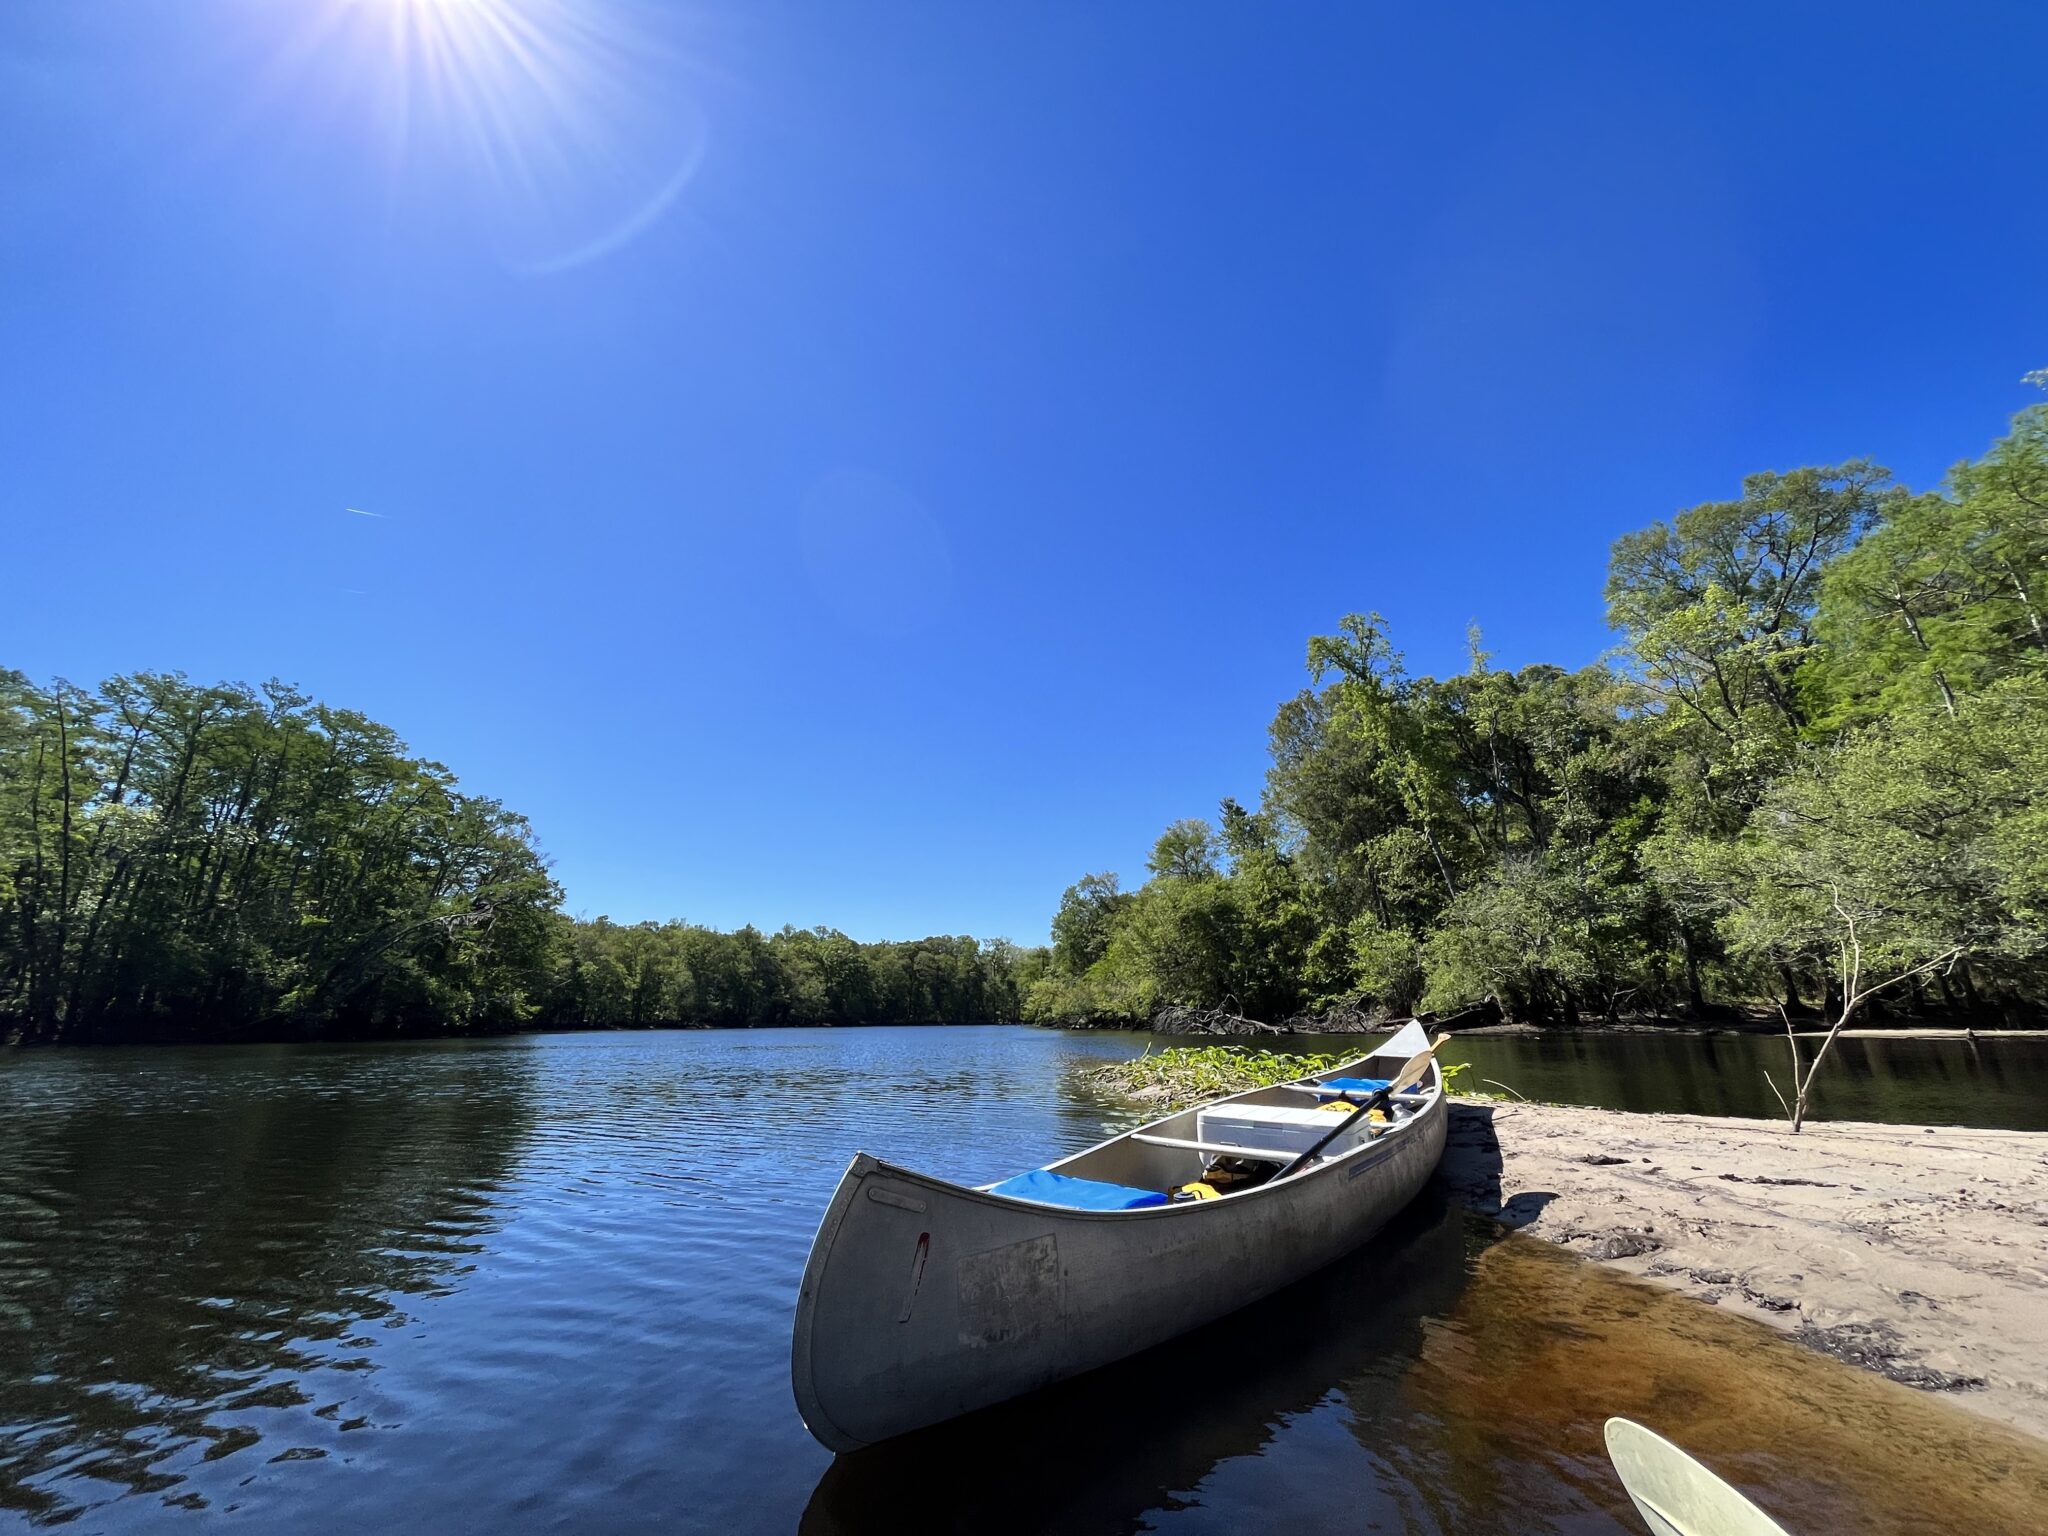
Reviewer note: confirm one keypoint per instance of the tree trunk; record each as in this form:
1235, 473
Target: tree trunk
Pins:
1429, 835
1949, 996
2026, 598
1905, 607
1969, 984
63, 859
1695, 995
32, 899
1567, 1007
1792, 1003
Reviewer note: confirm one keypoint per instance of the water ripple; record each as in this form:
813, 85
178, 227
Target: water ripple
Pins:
547, 1284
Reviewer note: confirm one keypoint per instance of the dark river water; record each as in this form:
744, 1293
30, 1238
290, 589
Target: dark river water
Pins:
1999, 1082
545, 1284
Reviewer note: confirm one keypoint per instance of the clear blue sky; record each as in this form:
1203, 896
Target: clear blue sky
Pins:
868, 464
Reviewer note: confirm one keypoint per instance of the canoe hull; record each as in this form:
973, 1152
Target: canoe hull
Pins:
925, 1300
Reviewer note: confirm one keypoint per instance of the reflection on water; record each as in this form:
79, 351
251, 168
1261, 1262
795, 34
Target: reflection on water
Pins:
547, 1283
197, 1251
2000, 1082
1448, 1380
1115, 1450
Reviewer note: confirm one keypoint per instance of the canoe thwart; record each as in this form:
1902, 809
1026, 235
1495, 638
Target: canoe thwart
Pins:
1214, 1148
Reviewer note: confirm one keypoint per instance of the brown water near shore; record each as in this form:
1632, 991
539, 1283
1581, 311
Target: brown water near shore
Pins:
1456, 1383
1916, 1251
1542, 1347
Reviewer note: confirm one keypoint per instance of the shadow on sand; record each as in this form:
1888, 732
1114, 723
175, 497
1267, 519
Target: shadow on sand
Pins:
1471, 1170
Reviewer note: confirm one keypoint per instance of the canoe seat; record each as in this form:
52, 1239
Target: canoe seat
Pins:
1049, 1188
1340, 1086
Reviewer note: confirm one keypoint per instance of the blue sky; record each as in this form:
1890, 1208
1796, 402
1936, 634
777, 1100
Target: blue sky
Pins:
867, 465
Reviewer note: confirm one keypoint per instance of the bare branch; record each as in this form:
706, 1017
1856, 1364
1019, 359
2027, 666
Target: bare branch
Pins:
1943, 961
1780, 1097
1798, 1088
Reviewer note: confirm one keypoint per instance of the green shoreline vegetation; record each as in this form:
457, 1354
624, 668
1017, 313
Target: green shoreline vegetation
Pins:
181, 862
1161, 1082
1818, 762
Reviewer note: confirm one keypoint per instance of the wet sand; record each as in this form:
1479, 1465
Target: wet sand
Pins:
1540, 1350
1917, 1252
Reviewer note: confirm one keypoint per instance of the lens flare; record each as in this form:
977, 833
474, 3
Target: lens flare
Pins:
568, 127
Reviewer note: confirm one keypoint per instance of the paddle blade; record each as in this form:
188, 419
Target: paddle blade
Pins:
1411, 1074
1674, 1493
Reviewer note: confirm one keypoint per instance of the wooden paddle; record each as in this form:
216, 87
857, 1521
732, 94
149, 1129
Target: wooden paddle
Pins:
1409, 1075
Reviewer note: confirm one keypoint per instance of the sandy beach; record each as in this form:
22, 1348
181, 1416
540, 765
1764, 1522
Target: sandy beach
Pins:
1918, 1252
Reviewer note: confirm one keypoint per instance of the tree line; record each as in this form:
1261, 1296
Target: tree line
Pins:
612, 974
1814, 770
1817, 764
188, 862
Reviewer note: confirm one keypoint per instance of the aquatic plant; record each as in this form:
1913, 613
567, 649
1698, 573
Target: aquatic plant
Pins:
1194, 1074
1174, 1079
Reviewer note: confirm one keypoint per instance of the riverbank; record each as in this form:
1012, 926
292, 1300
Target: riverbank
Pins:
14, 1037
1485, 1020
1773, 1029
1918, 1252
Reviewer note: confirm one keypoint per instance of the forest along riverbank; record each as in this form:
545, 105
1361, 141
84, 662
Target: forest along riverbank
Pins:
1919, 1252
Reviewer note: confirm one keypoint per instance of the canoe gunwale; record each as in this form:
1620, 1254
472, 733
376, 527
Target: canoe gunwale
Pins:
1432, 1103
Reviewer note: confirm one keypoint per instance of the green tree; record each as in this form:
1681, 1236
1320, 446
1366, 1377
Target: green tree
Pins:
1718, 609
1945, 597
1185, 851
185, 859
1085, 922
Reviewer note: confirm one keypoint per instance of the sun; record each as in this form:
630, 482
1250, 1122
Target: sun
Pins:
570, 125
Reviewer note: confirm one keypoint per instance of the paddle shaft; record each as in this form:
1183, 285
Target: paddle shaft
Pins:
1409, 1074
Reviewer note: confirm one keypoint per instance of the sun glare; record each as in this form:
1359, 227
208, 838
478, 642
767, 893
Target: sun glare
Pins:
569, 123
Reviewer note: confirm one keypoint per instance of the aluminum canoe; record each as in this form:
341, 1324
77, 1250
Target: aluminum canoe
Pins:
924, 1300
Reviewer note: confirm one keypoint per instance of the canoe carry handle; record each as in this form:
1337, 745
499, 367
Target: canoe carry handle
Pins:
1407, 1077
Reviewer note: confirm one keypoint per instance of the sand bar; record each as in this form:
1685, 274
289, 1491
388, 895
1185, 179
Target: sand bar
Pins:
1920, 1252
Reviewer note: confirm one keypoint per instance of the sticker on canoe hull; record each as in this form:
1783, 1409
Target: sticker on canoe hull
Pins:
1367, 1164
881, 1194
924, 1251
1008, 1294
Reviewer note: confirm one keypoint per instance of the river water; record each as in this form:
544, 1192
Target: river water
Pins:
2000, 1082
545, 1284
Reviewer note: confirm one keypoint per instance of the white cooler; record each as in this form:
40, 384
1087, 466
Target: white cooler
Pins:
1266, 1127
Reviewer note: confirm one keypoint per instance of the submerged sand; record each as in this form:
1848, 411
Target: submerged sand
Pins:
1920, 1252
